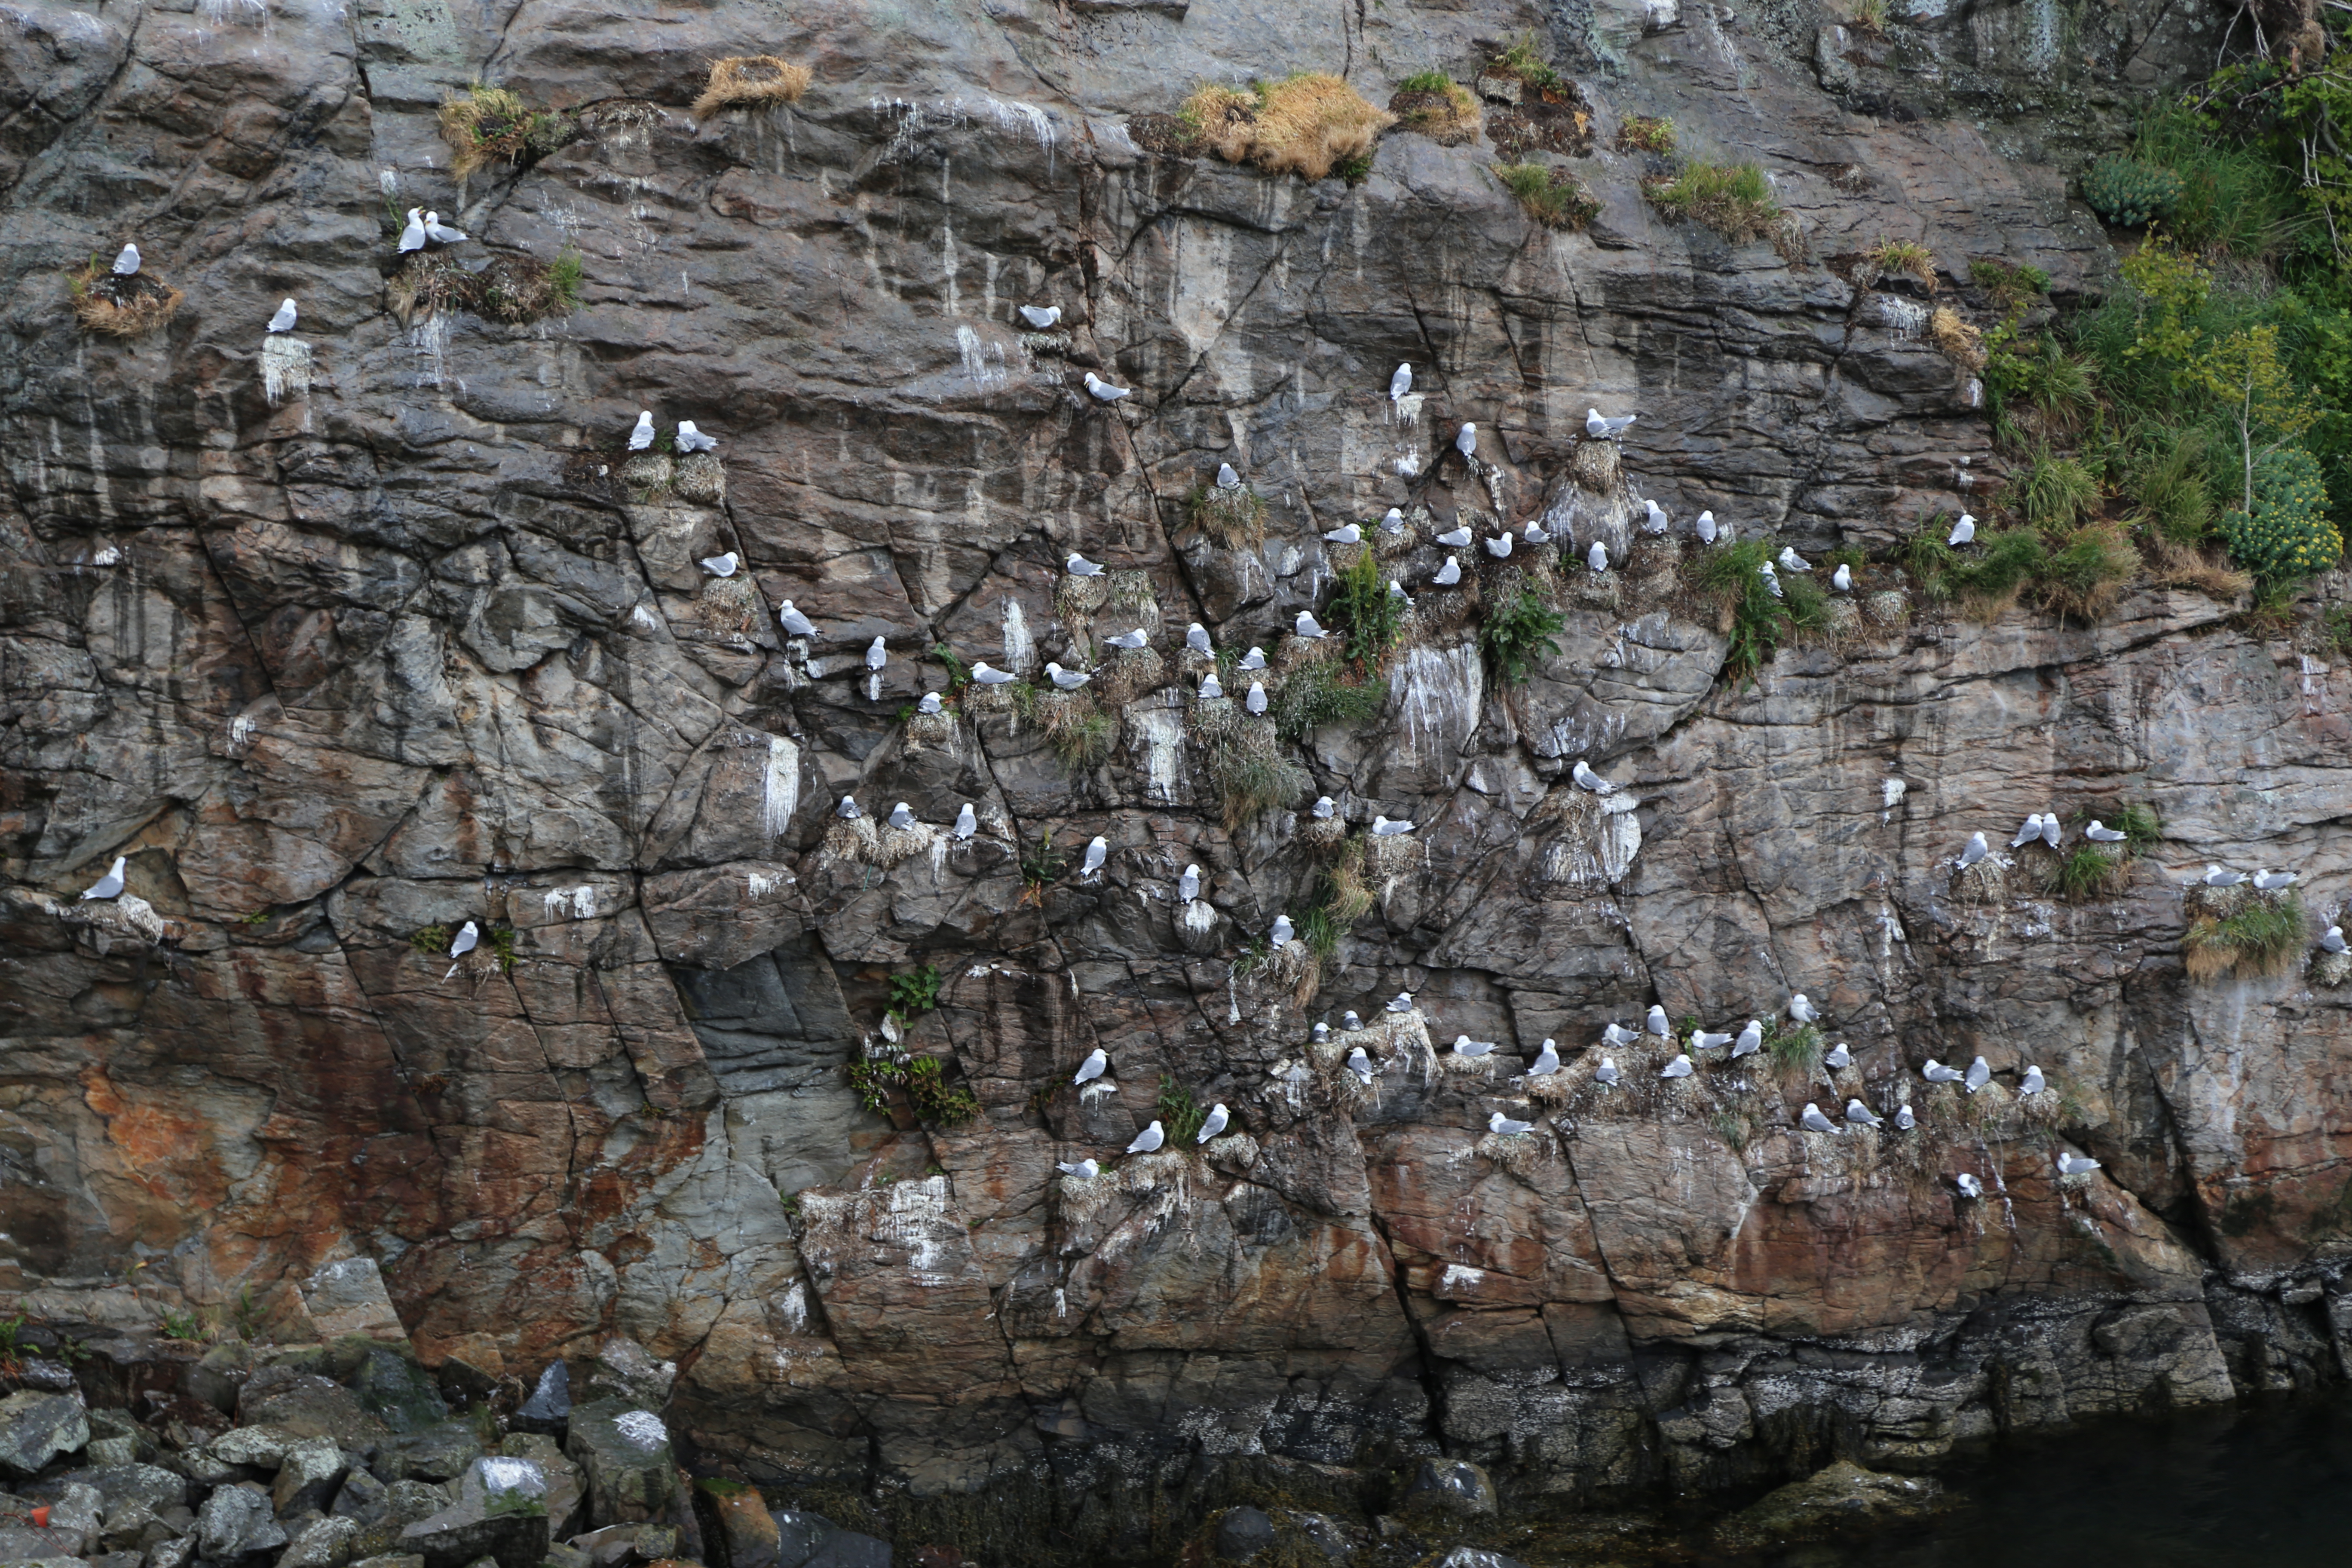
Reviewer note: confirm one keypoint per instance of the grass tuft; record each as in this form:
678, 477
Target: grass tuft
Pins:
1234, 518
1513, 635
489, 125
2264, 938
1758, 623
1435, 105
1904, 256
1309, 124
1645, 134
1734, 200
1553, 197
751, 81
120, 307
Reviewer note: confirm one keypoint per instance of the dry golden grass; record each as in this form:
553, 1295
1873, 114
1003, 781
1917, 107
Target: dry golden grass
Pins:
1962, 343
1449, 117
1308, 124
120, 307
2180, 566
751, 81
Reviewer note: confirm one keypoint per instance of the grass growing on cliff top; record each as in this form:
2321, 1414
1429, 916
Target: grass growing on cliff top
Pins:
1758, 624
1645, 134
1797, 1047
1310, 124
1553, 197
1324, 693
2084, 872
1735, 200
489, 125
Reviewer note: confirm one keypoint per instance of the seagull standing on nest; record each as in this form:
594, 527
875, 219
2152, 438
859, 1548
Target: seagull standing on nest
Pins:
1400, 382
641, 434
1041, 317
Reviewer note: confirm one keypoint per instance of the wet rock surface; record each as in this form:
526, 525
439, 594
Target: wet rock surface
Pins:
342, 666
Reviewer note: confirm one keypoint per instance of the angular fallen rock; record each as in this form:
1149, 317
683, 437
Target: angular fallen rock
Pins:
36, 1427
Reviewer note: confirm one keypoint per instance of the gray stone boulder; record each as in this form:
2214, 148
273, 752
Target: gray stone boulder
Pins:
1243, 1534
307, 1405
812, 1541
1834, 1499
624, 1369
321, 1544
567, 1490
362, 1497
77, 1508
398, 1392
500, 1512
26, 1543
307, 1475
619, 1545
235, 1521
263, 1447
624, 1451
438, 1453
1449, 1485
151, 1485
176, 1552
550, 1404
36, 1427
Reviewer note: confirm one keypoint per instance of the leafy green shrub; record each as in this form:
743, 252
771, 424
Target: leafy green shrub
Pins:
2233, 197
924, 1080
432, 940
1321, 694
915, 991
1367, 615
2085, 873
1180, 1115
2288, 536
1758, 623
1798, 1046
2128, 193
1513, 635
1553, 197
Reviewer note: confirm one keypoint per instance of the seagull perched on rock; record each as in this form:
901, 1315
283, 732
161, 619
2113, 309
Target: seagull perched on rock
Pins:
641, 435
1979, 1074
689, 440
2029, 831
1041, 317
1842, 578
110, 885
1455, 539
793, 622
1547, 1061
2273, 881
987, 675
283, 321
1218, 1119
1503, 1126
1656, 1022
1465, 441
1704, 527
1396, 591
1977, 850
1678, 1067
1282, 930
2217, 878
848, 810
1392, 521
1464, 1046
2052, 829
1970, 1186
1838, 1057
1861, 1115
1600, 425
1751, 1038
1348, 1021
1656, 521
440, 233
2075, 1165
1211, 687
1134, 639
1348, 533
1103, 391
1255, 700
1792, 562
1802, 1008
1084, 1171
2332, 940
1079, 565
902, 816
1196, 638
1700, 1040
1147, 1140
1903, 1119
412, 237
1937, 1072
1536, 533
1605, 1075
1309, 628
1324, 806
1771, 580
1597, 557
1618, 1035
1098, 852
1962, 531
2033, 1082
1400, 1003
1096, 1064
1361, 1065
1400, 381
1188, 886
722, 565
1227, 479
1585, 779
468, 935
878, 654
126, 261
1385, 829
1499, 548
1812, 1120
1253, 660
1065, 680
1449, 573
967, 822
2100, 833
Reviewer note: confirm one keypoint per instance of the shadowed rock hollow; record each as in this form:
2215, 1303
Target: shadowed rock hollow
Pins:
345, 655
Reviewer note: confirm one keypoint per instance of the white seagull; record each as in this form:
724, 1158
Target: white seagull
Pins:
413, 236
1135, 639
1096, 1064
1309, 628
1599, 425
283, 321
1979, 1074
1079, 566
2027, 832
1282, 930
1547, 1062
2052, 829
1392, 521
2217, 878
1464, 1046
1385, 829
440, 233
1361, 1065
2100, 833
793, 622
877, 654
1605, 1075
641, 435
1597, 557
1350, 1021
2075, 1165
1903, 1119
1226, 478
1216, 1122
1615, 1034
2032, 1084
1751, 1038
1041, 317
1937, 1072
1838, 1059
110, 885
1656, 1022
1400, 1003
967, 822
1977, 850
1465, 441
1963, 531
1678, 1067
1814, 1121
1084, 1171
1348, 533
467, 936
1656, 520
689, 440
1098, 852
1324, 806
1211, 687
1149, 1140
1449, 573
1700, 1040
722, 565
1456, 538
988, 675
1104, 391
1255, 699
1970, 1186
126, 261
1861, 1115
1504, 1126
1705, 527
2332, 940
1065, 680
1253, 660
1802, 1008
1792, 562
1585, 779
1196, 638
902, 816
1400, 381
1500, 549
2272, 882
1771, 580
1842, 578
1188, 886
848, 810
1536, 533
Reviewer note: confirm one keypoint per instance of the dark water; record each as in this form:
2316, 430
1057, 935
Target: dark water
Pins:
2266, 1486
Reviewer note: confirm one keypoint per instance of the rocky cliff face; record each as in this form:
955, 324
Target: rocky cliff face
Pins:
392, 637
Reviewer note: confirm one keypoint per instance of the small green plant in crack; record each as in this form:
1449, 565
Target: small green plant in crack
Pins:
433, 940
184, 1326
257, 917
1514, 635
1319, 694
915, 991
1180, 1115
502, 947
1798, 1047
1368, 617
1039, 867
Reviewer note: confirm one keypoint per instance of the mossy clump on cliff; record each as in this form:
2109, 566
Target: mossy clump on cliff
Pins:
2261, 935
1232, 515
514, 290
1437, 107
1735, 200
487, 125
1553, 197
1311, 124
751, 81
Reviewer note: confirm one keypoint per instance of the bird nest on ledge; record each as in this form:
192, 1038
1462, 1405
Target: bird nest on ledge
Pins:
120, 305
